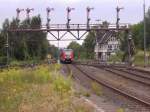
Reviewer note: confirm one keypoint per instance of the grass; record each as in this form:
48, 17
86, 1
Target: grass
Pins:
16, 62
139, 58
120, 110
37, 89
96, 88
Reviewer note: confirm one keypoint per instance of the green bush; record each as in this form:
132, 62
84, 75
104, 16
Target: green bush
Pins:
117, 57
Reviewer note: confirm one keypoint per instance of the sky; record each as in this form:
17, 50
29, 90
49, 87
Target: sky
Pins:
103, 10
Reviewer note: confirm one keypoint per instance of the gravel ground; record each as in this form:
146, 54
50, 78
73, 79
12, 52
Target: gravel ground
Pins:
142, 68
118, 80
110, 102
121, 82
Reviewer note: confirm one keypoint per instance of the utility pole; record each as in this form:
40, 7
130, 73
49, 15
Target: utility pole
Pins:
145, 57
7, 47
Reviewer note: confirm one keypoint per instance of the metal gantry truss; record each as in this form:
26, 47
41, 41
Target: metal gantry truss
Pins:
71, 30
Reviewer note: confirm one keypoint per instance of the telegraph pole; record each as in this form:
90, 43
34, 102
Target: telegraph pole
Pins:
145, 57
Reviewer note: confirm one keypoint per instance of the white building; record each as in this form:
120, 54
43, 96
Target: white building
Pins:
107, 45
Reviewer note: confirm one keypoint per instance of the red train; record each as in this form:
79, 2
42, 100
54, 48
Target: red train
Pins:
66, 56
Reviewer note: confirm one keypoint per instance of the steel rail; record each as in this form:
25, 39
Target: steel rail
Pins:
142, 81
133, 76
69, 71
138, 73
124, 93
138, 77
139, 70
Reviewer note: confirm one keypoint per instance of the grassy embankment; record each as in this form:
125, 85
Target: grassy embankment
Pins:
39, 89
138, 58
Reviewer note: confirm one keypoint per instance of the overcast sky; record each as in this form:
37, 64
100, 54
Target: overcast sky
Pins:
103, 9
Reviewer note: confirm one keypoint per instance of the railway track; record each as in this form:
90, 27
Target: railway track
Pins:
134, 74
73, 75
134, 71
143, 100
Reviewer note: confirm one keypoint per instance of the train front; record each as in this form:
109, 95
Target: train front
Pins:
67, 56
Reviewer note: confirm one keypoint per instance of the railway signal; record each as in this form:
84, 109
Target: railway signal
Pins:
18, 12
118, 18
28, 10
48, 9
88, 9
68, 16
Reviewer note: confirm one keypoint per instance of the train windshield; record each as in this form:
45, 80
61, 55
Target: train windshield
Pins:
68, 51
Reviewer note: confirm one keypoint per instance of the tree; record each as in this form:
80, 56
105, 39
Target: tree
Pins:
53, 51
2, 45
25, 45
89, 44
76, 48
138, 32
3, 34
148, 28
37, 41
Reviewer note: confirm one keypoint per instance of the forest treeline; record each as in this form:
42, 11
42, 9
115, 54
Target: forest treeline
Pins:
24, 45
